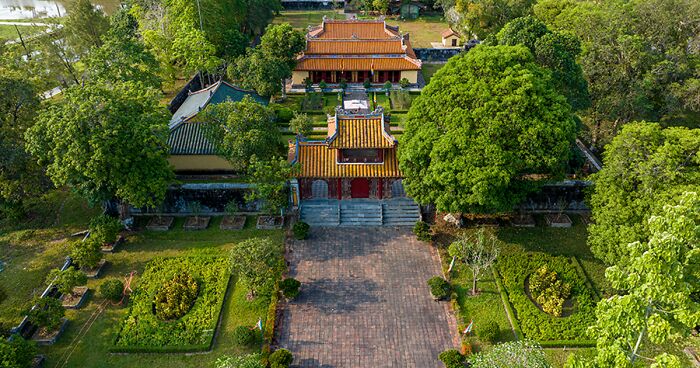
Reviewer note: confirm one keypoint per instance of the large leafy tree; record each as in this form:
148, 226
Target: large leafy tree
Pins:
267, 66
240, 130
487, 120
105, 142
270, 178
556, 51
255, 261
84, 25
17, 353
644, 167
486, 17
657, 282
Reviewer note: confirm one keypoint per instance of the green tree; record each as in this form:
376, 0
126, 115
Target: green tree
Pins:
270, 179
267, 66
477, 251
84, 25
487, 119
514, 354
644, 167
382, 6
553, 50
17, 353
48, 312
657, 282
240, 130
105, 142
485, 17
66, 280
255, 262
301, 124
87, 253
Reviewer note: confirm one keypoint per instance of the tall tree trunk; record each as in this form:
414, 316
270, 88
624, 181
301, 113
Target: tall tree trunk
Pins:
475, 274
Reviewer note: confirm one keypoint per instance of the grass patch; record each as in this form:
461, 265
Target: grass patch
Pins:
9, 32
301, 19
423, 30
143, 331
429, 70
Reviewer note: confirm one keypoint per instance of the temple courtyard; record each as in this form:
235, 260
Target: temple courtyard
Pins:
364, 302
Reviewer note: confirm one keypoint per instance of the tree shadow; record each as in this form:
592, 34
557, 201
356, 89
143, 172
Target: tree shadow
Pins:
329, 296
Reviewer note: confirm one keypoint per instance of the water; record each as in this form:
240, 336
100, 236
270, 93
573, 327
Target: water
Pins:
27, 9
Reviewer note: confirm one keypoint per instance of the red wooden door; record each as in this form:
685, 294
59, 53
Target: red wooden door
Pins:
359, 188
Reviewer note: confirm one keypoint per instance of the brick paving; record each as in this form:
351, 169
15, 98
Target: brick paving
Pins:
364, 301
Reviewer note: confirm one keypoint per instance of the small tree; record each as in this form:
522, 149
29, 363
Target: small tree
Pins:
17, 352
301, 124
270, 178
367, 84
322, 85
104, 229
301, 230
47, 313
87, 253
196, 209
477, 251
290, 287
308, 84
281, 358
112, 289
404, 83
255, 261
66, 280
343, 84
387, 87
231, 207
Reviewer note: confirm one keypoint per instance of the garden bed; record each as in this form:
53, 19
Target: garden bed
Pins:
44, 337
525, 220
76, 299
515, 268
270, 222
558, 220
160, 223
196, 223
143, 331
93, 273
236, 222
110, 247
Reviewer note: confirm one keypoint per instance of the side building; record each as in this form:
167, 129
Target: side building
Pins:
191, 152
355, 51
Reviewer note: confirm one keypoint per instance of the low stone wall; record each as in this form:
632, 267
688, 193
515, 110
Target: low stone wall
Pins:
430, 54
311, 5
213, 197
567, 195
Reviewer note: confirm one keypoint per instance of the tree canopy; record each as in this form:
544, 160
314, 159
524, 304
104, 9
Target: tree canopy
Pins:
487, 119
254, 262
484, 17
645, 166
242, 129
105, 142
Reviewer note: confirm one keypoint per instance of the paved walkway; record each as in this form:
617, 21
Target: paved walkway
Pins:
364, 301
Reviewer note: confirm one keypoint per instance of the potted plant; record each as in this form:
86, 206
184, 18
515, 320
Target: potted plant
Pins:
404, 83
387, 87
196, 222
559, 219
439, 288
308, 84
47, 315
300, 230
88, 255
160, 222
105, 229
343, 84
323, 86
367, 84
70, 283
232, 221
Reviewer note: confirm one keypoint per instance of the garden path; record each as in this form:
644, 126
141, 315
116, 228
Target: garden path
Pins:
364, 301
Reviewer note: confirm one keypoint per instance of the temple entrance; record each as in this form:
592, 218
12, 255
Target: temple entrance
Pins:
359, 188
319, 189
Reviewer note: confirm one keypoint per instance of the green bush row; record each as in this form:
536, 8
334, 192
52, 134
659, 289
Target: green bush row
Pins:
143, 331
269, 329
568, 344
583, 272
535, 324
506, 302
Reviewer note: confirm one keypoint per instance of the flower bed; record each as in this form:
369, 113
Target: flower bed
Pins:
143, 331
535, 324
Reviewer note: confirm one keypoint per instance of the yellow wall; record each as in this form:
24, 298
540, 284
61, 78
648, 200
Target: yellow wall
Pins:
411, 75
299, 76
199, 163
447, 41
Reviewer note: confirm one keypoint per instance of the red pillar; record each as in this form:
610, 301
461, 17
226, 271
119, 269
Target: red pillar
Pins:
340, 188
380, 187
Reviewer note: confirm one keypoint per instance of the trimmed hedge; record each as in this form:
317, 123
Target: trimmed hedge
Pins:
509, 308
269, 329
538, 325
143, 331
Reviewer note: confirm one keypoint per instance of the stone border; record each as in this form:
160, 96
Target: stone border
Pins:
524, 220
237, 222
261, 225
558, 220
52, 340
95, 273
165, 226
196, 223
80, 302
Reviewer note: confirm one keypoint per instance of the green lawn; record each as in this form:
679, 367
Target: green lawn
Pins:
9, 32
423, 31
301, 19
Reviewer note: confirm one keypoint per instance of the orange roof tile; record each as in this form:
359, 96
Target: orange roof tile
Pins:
449, 32
355, 63
361, 133
354, 29
316, 160
356, 47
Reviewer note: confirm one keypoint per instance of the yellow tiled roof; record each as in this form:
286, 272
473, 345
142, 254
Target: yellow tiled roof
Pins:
353, 47
357, 29
317, 160
357, 63
360, 133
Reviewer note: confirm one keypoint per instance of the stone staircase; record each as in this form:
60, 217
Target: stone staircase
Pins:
360, 212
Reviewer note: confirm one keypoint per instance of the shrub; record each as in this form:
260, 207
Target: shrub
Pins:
48, 313
245, 361
112, 289
343, 84
301, 230
284, 114
290, 287
489, 332
104, 229
387, 87
3, 295
549, 292
87, 253
329, 110
281, 358
301, 124
367, 84
308, 84
66, 280
18, 353
244, 336
422, 231
322, 85
404, 82
175, 298
452, 358
439, 287
231, 207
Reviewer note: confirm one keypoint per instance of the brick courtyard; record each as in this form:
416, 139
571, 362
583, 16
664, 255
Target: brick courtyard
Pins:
364, 301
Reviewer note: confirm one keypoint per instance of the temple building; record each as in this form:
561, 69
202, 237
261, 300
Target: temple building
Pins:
357, 160
355, 51
190, 150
